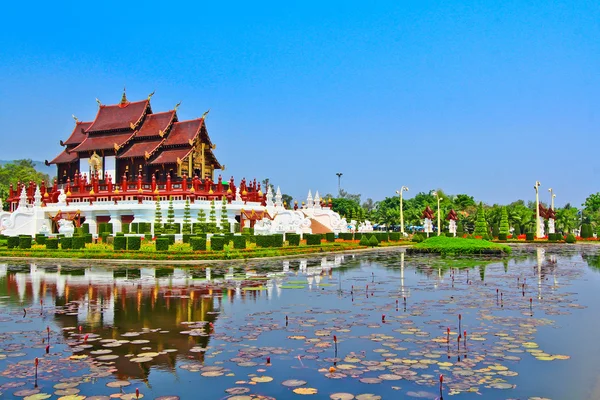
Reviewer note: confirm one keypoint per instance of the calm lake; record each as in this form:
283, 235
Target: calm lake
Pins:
366, 326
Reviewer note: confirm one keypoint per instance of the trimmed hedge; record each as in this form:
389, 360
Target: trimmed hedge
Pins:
198, 243
217, 243
105, 227
78, 242
162, 244
364, 241
330, 237
358, 235
312, 239
25, 242
66, 243
373, 242
88, 238
571, 238
120, 243
395, 236
12, 242
125, 228
187, 237
134, 242
104, 236
52, 244
85, 228
40, 239
170, 237
147, 236
529, 236
381, 237
293, 239
239, 242
502, 236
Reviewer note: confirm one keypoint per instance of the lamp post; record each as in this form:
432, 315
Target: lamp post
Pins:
339, 175
438, 212
402, 189
552, 196
537, 209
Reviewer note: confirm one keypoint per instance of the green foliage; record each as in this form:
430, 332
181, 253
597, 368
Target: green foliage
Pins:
105, 227
239, 242
162, 244
459, 246
200, 227
187, 220
381, 237
85, 228
171, 212
134, 243
66, 243
19, 170
119, 234
571, 238
212, 218
364, 240
395, 236
170, 237
312, 239
217, 243
529, 236
495, 231
158, 223
225, 226
330, 237
147, 236
198, 243
373, 242
481, 227
449, 234
504, 227
172, 228
586, 231
236, 227
418, 237
248, 231
125, 228
346, 207
592, 203
502, 236
52, 244
293, 239
269, 240
40, 239
78, 242
104, 236
25, 242
120, 243
88, 238
277, 240
186, 237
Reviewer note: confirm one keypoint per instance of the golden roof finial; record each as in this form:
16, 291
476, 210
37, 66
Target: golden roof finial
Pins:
98, 101
151, 94
205, 113
75, 118
177, 105
124, 97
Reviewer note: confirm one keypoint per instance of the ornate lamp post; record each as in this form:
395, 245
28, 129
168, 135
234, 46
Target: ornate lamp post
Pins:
438, 212
551, 213
552, 196
402, 189
537, 209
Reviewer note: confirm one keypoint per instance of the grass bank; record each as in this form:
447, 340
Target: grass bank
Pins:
443, 245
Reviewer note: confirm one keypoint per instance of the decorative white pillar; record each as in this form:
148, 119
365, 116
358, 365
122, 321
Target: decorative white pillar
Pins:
116, 222
452, 227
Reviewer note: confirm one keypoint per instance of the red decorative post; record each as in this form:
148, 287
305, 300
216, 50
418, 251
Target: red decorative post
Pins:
81, 184
68, 186
219, 184
139, 183
153, 183
184, 183
109, 183
169, 183
124, 183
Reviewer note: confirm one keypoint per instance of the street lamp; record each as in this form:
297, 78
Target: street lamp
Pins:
552, 196
438, 212
339, 175
537, 209
402, 189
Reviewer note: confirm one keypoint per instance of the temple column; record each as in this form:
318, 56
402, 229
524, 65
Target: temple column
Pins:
115, 220
91, 221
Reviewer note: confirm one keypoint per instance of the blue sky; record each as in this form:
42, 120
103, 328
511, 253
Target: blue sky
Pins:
478, 97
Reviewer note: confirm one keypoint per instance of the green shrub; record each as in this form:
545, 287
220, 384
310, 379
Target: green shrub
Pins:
25, 242
125, 228
239, 242
449, 234
147, 236
236, 227
228, 237
312, 239
119, 234
78, 243
418, 238
134, 243
277, 240
40, 239
217, 243
395, 236
198, 244
105, 227
200, 227
502, 236
373, 241
571, 238
162, 243
187, 237
364, 241
85, 228
293, 239
529, 236
66, 243
263, 241
12, 242
381, 237
495, 231
120, 243
52, 244
134, 227
481, 227
248, 231
88, 238
358, 235
330, 237
104, 236
170, 237
586, 231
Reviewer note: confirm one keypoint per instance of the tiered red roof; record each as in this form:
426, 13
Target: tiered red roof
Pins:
184, 132
154, 124
78, 135
64, 158
120, 116
104, 142
141, 148
171, 156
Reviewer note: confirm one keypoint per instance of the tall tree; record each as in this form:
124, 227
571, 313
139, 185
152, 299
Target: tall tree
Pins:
481, 226
504, 228
18, 171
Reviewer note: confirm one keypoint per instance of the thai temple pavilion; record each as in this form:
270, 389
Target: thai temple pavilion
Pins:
127, 139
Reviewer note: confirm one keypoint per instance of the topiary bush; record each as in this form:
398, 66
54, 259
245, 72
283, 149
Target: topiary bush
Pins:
239, 242
52, 244
78, 243
198, 243
88, 238
358, 235
395, 236
217, 243
170, 237
263, 241
66, 243
187, 237
417, 238
364, 241
571, 238
40, 239
312, 239
330, 237
502, 236
147, 236
162, 244
12, 242
277, 240
293, 239
373, 242
529, 236
134, 243
120, 243
25, 242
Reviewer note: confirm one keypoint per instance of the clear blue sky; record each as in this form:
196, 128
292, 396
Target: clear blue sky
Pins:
478, 97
